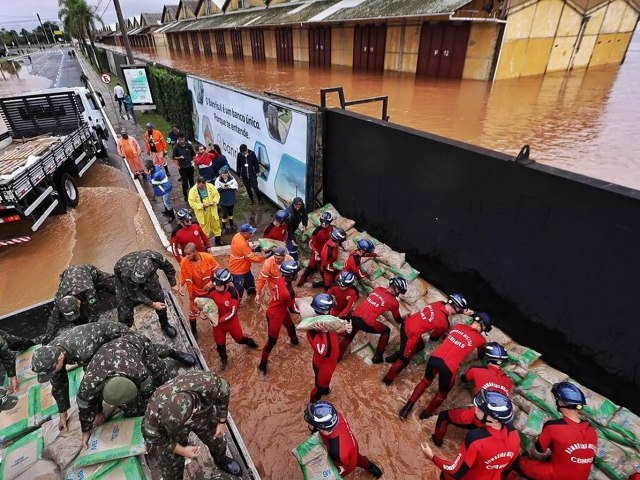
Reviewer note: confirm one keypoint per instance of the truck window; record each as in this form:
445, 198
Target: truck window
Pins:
92, 101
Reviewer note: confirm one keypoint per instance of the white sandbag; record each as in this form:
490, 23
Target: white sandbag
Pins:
497, 335
523, 356
15, 422
127, 469
435, 295
343, 223
23, 364
304, 305
89, 472
314, 460
371, 268
18, 457
208, 309
598, 408
537, 390
41, 470
415, 290
113, 440
62, 447
323, 323
459, 318
389, 257
550, 374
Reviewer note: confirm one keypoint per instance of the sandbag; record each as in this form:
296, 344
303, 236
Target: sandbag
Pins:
598, 408
520, 355
344, 223
208, 308
128, 468
406, 272
515, 372
371, 268
268, 244
459, 318
304, 305
550, 374
537, 390
389, 257
617, 462
15, 422
314, 461
627, 425
323, 323
18, 457
524, 404
89, 472
536, 419
314, 218
415, 291
41, 470
332, 210
435, 295
62, 447
23, 364
497, 335
113, 440
42, 405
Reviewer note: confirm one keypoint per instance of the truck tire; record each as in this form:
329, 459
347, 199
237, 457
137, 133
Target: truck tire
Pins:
68, 191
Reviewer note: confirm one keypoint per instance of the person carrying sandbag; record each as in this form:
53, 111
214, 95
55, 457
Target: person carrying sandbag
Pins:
278, 229
328, 257
227, 299
325, 344
488, 452
195, 402
490, 378
571, 440
338, 439
281, 306
270, 272
344, 293
445, 361
365, 316
319, 237
364, 249
433, 319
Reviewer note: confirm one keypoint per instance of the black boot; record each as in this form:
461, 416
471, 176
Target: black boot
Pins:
374, 470
436, 441
222, 351
377, 357
166, 169
231, 225
317, 284
393, 357
168, 329
186, 359
263, 367
219, 242
404, 412
194, 330
249, 342
230, 466
172, 216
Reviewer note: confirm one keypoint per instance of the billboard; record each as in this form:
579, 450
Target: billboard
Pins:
280, 135
138, 84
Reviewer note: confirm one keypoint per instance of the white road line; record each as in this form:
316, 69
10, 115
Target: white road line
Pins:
59, 71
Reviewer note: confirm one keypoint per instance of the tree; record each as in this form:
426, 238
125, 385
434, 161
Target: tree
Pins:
79, 19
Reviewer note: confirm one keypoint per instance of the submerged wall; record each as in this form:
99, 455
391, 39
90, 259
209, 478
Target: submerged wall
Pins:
550, 254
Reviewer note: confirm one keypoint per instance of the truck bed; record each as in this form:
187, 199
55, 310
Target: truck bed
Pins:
19, 154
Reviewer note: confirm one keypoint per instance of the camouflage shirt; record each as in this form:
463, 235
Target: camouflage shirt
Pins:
131, 356
8, 345
125, 266
79, 344
213, 392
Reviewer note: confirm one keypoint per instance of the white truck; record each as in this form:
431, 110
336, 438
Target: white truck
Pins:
52, 136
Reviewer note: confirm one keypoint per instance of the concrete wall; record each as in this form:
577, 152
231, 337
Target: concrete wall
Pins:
545, 36
480, 51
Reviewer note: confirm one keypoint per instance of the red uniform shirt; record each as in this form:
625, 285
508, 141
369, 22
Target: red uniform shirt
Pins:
490, 378
329, 255
191, 234
276, 233
432, 318
345, 300
573, 448
324, 344
342, 447
227, 303
319, 237
354, 261
282, 300
380, 300
485, 454
460, 342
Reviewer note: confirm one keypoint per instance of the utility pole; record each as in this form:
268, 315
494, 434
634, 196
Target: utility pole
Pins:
43, 29
123, 30
17, 41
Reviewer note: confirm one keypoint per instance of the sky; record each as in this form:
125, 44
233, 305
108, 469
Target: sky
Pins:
48, 10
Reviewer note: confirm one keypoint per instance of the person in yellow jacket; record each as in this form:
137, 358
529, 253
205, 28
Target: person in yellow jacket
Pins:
203, 199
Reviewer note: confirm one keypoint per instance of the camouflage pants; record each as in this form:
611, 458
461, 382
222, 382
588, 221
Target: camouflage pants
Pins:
204, 426
126, 305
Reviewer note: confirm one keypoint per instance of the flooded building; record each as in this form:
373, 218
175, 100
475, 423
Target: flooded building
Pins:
478, 39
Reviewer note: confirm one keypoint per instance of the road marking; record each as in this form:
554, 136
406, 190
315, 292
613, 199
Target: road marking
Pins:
59, 71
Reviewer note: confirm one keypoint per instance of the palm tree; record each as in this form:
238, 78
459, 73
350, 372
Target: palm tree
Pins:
79, 20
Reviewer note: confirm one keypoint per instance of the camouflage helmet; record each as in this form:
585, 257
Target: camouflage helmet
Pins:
7, 402
43, 362
69, 306
119, 391
178, 410
142, 270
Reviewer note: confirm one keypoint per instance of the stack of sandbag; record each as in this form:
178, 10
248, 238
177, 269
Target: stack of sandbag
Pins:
269, 245
21, 455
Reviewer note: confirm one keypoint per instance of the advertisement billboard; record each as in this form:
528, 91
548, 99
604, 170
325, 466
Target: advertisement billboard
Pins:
278, 133
138, 84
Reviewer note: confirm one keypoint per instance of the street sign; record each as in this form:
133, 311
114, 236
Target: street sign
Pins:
105, 78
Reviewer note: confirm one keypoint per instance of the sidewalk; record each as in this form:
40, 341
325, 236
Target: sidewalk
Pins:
257, 215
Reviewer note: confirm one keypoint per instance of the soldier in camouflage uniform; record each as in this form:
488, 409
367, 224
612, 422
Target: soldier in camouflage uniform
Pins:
76, 301
124, 373
78, 345
137, 283
8, 344
194, 402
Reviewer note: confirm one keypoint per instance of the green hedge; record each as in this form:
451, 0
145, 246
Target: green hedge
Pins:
101, 53
171, 97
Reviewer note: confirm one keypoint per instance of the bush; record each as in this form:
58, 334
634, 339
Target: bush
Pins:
171, 97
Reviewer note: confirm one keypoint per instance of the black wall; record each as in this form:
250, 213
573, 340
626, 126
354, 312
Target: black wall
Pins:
553, 256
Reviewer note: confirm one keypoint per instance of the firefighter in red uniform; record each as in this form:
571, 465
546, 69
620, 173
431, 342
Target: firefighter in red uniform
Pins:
278, 229
319, 237
326, 347
338, 439
490, 378
188, 232
486, 452
364, 249
445, 361
281, 306
433, 318
328, 256
226, 298
571, 440
344, 294
365, 316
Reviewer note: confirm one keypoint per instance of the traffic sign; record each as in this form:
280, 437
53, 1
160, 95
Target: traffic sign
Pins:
105, 78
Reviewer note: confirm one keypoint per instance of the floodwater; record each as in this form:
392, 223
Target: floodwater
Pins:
585, 121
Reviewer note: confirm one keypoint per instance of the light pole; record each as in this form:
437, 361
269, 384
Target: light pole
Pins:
123, 30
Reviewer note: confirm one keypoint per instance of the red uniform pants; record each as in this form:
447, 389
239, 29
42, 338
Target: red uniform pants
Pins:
232, 327
358, 324
460, 417
274, 325
363, 462
329, 277
534, 470
323, 368
446, 379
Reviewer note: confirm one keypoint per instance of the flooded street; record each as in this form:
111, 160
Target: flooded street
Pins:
584, 121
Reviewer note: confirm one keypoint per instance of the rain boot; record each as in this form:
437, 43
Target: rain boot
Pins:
374, 470
249, 342
172, 216
404, 412
168, 329
219, 242
186, 359
231, 225
166, 169
194, 329
222, 351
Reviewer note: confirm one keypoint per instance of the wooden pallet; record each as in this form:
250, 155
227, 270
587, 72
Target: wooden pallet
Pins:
17, 154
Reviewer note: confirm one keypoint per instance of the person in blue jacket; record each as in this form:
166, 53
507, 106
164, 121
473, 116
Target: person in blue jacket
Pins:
162, 187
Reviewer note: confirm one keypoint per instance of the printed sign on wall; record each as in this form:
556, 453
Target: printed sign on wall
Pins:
277, 133
137, 84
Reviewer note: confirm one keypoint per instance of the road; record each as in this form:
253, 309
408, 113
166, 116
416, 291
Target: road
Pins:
56, 65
